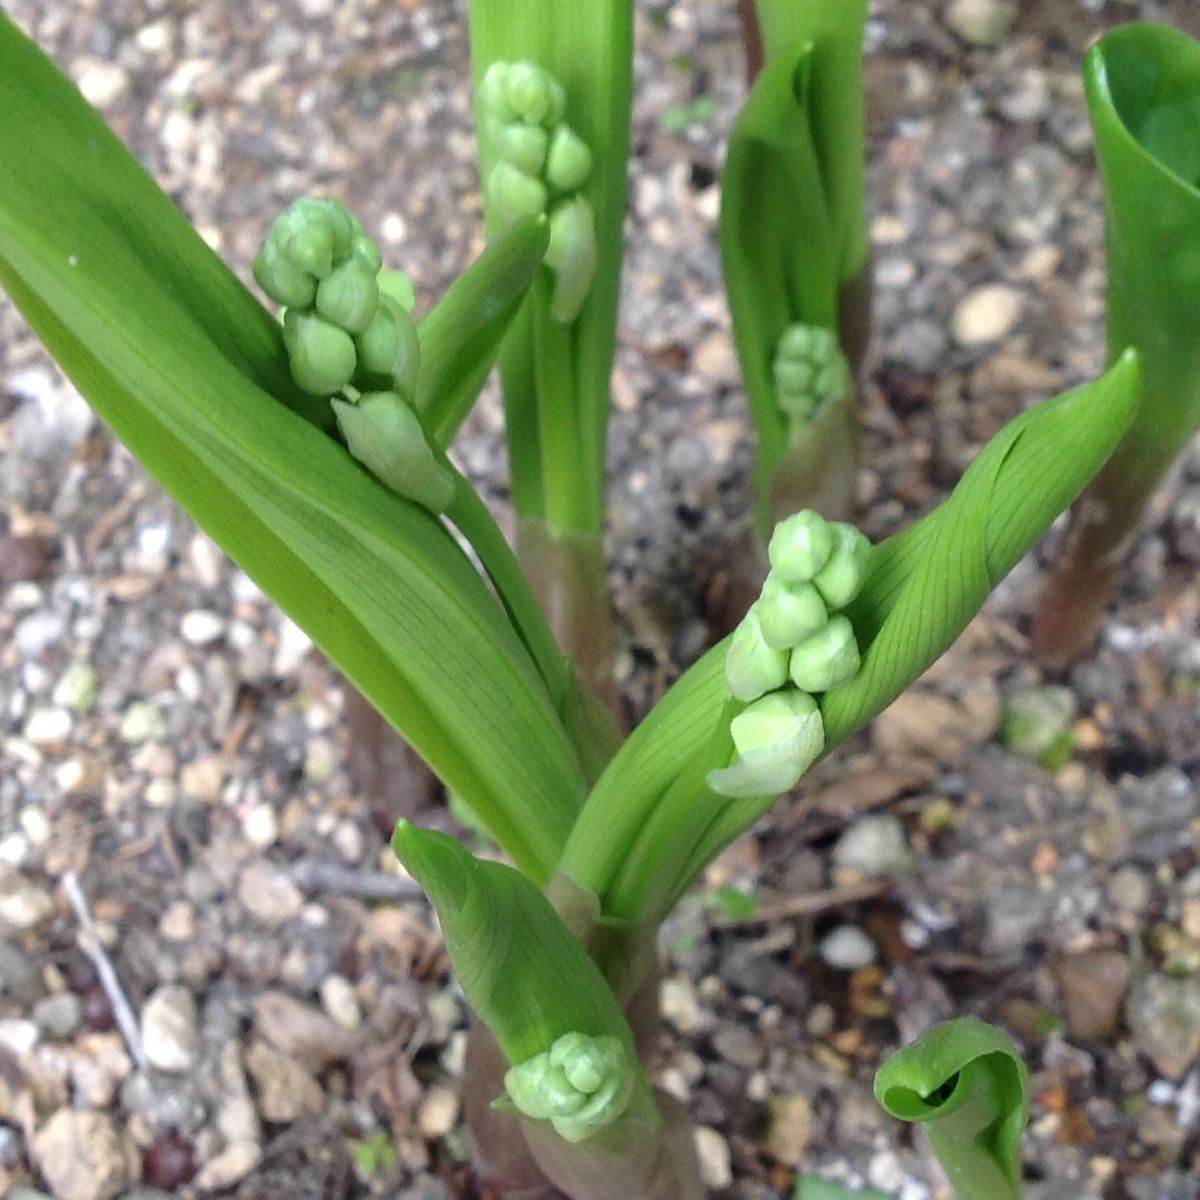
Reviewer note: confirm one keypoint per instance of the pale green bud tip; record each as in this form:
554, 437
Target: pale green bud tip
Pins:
580, 1084
789, 612
321, 356
532, 94
800, 546
571, 254
752, 668
777, 739
399, 287
809, 368
349, 296
826, 659
282, 280
512, 195
569, 162
525, 146
384, 434
389, 349
842, 577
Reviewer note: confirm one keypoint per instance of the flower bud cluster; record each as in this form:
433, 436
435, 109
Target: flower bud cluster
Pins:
791, 645
346, 320
580, 1084
541, 163
810, 371
347, 323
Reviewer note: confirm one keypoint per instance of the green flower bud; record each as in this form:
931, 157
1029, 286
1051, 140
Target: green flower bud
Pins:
752, 668
321, 355
777, 739
525, 146
349, 296
511, 195
826, 659
809, 370
493, 92
399, 287
281, 279
533, 94
367, 253
580, 1084
842, 577
794, 377
569, 161
384, 434
571, 255
800, 546
306, 235
389, 352
789, 612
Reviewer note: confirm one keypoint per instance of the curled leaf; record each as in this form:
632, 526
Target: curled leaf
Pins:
965, 1083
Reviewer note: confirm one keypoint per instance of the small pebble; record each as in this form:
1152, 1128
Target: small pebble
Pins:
48, 726
987, 315
143, 722
847, 948
169, 1029
201, 627
339, 1000
716, 1167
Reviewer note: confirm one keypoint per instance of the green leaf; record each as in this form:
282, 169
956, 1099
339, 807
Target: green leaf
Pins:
461, 335
926, 583
776, 231
836, 116
527, 977
190, 372
966, 1084
675, 734
1143, 93
813, 1187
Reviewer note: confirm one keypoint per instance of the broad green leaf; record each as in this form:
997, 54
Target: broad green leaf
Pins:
187, 369
674, 735
965, 1083
528, 978
1143, 93
927, 582
836, 106
461, 335
562, 414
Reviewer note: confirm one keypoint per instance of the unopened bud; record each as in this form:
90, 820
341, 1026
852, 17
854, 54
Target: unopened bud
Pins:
384, 434
800, 546
525, 146
281, 279
571, 255
752, 668
399, 287
842, 577
580, 1084
789, 612
777, 739
826, 659
321, 355
569, 162
349, 296
512, 195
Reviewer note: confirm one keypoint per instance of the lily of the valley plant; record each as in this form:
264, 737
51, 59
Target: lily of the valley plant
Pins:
309, 438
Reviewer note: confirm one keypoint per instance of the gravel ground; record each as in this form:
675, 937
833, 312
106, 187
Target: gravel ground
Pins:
170, 741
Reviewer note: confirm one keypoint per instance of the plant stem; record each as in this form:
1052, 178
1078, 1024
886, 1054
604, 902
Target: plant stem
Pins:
567, 571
